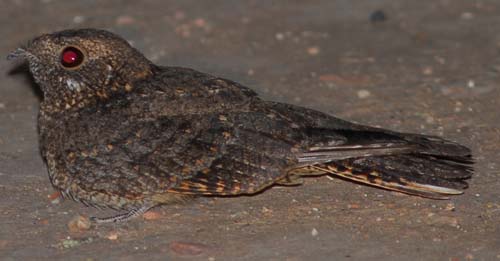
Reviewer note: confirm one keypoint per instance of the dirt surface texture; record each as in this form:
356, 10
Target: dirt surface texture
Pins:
417, 66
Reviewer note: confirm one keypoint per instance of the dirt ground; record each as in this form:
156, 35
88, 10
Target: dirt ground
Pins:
424, 66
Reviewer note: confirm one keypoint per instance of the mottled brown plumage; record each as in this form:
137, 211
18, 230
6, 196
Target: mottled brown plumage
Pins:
119, 131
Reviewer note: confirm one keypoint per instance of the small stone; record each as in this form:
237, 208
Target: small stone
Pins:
55, 198
200, 22
314, 232
124, 20
313, 50
378, 16
151, 215
353, 206
450, 207
471, 84
467, 16
113, 235
427, 71
363, 94
79, 223
78, 19
266, 210
2, 105
429, 119
280, 36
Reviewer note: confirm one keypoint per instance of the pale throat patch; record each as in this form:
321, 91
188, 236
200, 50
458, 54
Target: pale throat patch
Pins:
73, 85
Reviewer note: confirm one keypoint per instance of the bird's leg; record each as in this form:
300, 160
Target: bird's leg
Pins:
122, 217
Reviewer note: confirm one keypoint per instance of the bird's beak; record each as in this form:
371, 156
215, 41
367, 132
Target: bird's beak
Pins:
18, 53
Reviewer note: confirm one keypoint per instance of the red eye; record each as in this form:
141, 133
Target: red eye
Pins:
71, 57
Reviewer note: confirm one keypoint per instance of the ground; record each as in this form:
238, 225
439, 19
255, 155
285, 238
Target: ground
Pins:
419, 66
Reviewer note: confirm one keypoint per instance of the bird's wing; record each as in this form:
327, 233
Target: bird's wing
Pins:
205, 154
246, 156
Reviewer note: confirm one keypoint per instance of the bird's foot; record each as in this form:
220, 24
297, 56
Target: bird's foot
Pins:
121, 217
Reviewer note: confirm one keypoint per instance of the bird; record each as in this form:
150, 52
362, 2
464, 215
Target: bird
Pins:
120, 132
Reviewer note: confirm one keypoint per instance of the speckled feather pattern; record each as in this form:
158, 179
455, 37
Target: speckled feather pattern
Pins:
119, 131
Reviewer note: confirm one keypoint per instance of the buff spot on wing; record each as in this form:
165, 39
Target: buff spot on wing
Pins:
201, 187
236, 189
220, 186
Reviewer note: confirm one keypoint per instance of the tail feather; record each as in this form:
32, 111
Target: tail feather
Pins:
439, 147
419, 175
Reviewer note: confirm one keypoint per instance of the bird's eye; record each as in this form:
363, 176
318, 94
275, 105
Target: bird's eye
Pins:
71, 57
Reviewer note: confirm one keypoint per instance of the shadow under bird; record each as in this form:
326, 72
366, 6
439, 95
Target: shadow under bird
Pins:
118, 131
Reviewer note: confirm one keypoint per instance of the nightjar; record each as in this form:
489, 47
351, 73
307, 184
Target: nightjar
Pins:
120, 132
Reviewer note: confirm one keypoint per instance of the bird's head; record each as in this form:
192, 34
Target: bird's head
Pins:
75, 66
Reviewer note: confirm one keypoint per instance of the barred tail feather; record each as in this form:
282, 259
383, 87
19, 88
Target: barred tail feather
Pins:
414, 174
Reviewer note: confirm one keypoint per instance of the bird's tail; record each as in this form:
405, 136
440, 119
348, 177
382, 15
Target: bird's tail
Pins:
415, 174
430, 167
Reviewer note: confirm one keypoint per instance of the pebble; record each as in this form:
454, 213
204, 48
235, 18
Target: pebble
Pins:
378, 16
79, 223
124, 20
78, 19
427, 70
187, 249
266, 210
353, 206
363, 94
471, 84
280, 36
151, 215
55, 198
467, 16
314, 232
429, 119
313, 50
200, 22
450, 207
113, 235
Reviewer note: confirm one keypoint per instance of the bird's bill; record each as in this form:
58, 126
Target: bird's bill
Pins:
19, 52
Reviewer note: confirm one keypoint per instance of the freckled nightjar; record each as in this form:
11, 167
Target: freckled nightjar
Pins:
120, 132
